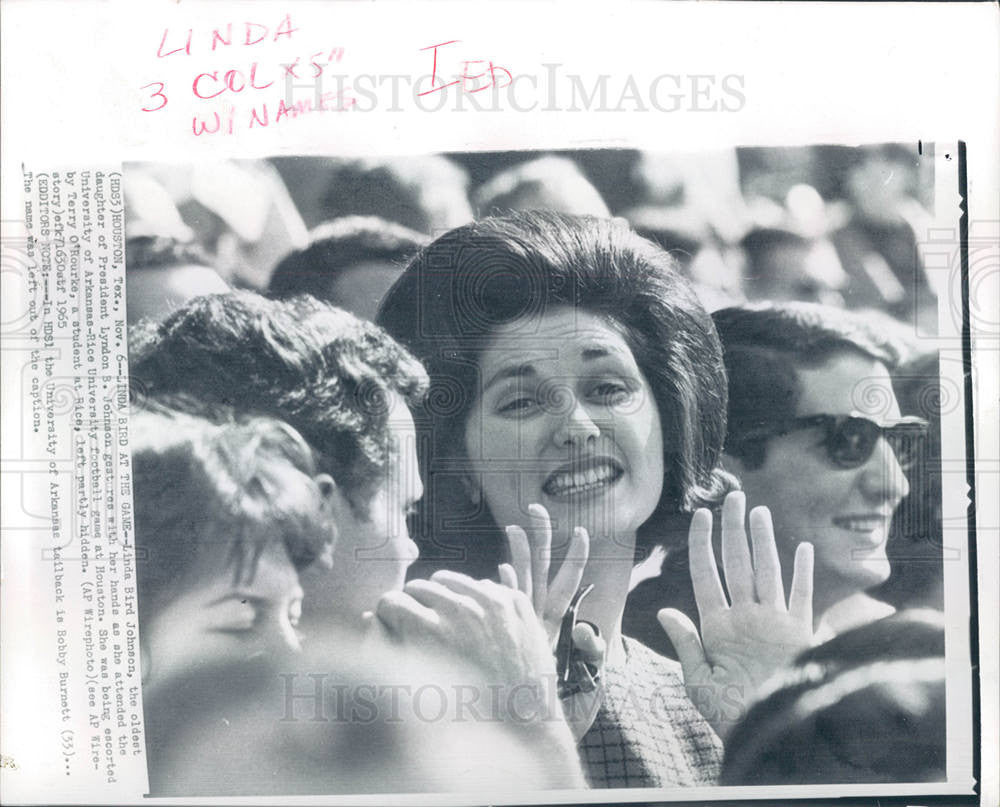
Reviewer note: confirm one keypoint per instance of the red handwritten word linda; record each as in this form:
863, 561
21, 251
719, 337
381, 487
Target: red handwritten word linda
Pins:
248, 33
481, 82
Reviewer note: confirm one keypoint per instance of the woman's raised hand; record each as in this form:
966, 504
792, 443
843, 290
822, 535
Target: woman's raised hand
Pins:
528, 571
746, 638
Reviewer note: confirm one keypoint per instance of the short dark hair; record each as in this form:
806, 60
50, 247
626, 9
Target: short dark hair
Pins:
478, 277
160, 252
198, 485
759, 242
322, 370
764, 344
338, 245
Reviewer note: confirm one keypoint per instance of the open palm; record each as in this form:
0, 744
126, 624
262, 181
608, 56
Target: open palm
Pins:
753, 633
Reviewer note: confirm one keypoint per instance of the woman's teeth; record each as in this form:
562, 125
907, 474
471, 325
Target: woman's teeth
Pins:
565, 483
860, 523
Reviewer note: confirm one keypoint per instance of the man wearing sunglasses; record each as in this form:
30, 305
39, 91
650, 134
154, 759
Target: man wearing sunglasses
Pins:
815, 433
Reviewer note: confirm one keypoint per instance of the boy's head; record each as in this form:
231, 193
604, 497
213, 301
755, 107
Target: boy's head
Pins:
350, 262
342, 383
226, 516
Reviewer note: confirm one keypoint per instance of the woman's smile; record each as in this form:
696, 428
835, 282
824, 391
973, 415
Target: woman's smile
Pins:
590, 477
566, 418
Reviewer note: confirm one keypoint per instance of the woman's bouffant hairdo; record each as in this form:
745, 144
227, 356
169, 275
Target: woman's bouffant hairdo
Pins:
473, 279
322, 370
235, 487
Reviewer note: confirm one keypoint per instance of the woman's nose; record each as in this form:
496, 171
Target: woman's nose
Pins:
883, 478
576, 427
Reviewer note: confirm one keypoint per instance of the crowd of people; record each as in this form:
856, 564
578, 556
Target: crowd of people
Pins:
491, 472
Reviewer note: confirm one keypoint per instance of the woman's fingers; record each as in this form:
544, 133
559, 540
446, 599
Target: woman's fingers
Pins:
589, 646
736, 563
767, 566
567, 580
686, 641
708, 591
508, 577
520, 556
541, 553
800, 599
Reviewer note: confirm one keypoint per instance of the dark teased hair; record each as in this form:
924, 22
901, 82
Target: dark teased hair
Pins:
475, 278
199, 485
338, 245
322, 370
160, 252
763, 344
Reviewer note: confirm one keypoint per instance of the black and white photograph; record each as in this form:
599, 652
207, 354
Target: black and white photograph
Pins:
499, 403
537, 470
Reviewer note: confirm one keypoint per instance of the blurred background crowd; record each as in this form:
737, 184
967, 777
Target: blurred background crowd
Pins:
834, 225
828, 224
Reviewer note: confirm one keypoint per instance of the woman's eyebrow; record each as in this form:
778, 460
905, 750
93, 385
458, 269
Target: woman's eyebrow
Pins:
511, 371
600, 352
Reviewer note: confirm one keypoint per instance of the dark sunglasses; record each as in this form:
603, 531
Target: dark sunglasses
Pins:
850, 440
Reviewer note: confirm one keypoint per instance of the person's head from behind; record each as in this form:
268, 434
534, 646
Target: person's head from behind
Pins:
815, 433
350, 262
254, 729
164, 273
881, 182
782, 265
343, 384
225, 517
548, 183
714, 269
571, 366
426, 193
867, 706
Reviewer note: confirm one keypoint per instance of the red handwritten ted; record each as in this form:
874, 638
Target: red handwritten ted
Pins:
481, 82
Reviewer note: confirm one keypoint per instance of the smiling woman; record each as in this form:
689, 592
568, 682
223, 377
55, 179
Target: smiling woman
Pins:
576, 382
488, 309
589, 443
